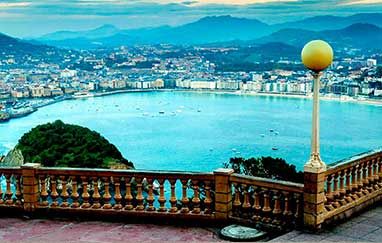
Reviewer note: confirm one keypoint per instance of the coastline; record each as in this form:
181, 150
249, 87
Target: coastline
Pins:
343, 98
330, 97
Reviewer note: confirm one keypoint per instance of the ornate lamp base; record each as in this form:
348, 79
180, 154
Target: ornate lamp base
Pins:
315, 164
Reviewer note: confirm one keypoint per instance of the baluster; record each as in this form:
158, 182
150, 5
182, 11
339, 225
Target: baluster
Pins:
64, 193
236, 202
54, 193
1, 192
267, 207
185, 200
128, 196
8, 192
348, 190
117, 193
375, 174
277, 208
161, 199
150, 197
106, 196
354, 185
365, 181
139, 198
246, 204
336, 192
173, 199
96, 196
208, 200
85, 194
18, 190
44, 194
359, 180
287, 210
298, 208
329, 193
75, 196
342, 190
256, 205
370, 176
195, 198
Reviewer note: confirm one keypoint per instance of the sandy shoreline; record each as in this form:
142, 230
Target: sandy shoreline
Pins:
377, 102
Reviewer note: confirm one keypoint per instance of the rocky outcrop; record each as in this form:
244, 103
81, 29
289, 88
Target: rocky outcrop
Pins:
13, 158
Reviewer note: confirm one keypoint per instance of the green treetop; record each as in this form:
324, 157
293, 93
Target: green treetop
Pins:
63, 145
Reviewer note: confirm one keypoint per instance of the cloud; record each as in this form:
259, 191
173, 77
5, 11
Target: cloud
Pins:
49, 15
14, 4
362, 2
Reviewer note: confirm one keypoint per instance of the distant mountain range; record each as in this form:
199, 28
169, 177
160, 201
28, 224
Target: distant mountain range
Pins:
215, 29
14, 46
355, 35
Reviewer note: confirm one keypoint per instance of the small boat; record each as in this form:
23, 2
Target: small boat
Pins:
161, 112
274, 148
276, 133
271, 130
262, 135
199, 110
233, 150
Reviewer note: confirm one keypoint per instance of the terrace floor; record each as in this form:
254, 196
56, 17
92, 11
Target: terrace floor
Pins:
365, 228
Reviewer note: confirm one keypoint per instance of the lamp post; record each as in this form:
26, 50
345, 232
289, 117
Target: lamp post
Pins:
316, 55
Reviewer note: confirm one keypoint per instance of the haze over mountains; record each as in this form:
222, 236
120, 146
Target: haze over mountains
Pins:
358, 30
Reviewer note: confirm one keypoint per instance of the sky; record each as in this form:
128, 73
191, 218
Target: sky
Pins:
32, 18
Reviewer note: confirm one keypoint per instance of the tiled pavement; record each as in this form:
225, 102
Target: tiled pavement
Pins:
44, 231
366, 227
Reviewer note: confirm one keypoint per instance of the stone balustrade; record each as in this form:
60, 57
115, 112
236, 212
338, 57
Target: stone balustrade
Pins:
127, 191
222, 196
267, 202
352, 184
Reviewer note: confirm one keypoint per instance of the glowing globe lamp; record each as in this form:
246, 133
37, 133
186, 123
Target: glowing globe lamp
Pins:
317, 55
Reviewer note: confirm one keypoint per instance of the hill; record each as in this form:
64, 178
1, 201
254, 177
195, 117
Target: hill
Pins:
63, 145
211, 29
100, 32
206, 30
356, 36
14, 46
330, 22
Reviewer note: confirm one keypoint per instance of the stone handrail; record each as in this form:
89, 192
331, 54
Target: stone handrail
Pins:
352, 184
220, 196
267, 202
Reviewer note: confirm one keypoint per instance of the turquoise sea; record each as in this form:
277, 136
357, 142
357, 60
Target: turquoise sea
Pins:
200, 131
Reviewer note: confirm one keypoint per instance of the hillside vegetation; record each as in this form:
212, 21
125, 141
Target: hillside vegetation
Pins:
63, 145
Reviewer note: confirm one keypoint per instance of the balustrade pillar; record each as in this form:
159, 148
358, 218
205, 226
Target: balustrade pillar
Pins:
314, 198
223, 193
31, 192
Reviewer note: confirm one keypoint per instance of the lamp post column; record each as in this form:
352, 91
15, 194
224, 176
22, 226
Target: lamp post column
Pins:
316, 55
315, 163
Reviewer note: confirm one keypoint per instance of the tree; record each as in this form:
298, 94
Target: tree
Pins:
63, 145
268, 167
